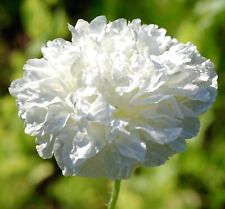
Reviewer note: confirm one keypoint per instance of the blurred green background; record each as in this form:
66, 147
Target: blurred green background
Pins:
194, 179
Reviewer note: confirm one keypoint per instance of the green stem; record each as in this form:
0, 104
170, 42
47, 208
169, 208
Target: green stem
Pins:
114, 195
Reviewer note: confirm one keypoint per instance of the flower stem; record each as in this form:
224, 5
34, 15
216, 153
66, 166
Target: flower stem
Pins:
114, 195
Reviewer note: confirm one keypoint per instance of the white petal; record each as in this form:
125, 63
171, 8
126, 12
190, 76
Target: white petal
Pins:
98, 24
131, 147
117, 25
44, 146
82, 27
157, 154
75, 34
160, 136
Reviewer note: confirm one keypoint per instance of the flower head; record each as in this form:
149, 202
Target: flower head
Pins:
118, 96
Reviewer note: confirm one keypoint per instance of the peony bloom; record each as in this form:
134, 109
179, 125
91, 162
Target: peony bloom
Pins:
118, 96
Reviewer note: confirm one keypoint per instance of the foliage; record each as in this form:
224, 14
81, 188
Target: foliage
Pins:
191, 180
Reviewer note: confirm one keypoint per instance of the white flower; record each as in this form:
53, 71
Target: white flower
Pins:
119, 96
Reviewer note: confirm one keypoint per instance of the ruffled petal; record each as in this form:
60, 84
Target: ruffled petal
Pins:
45, 145
98, 24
